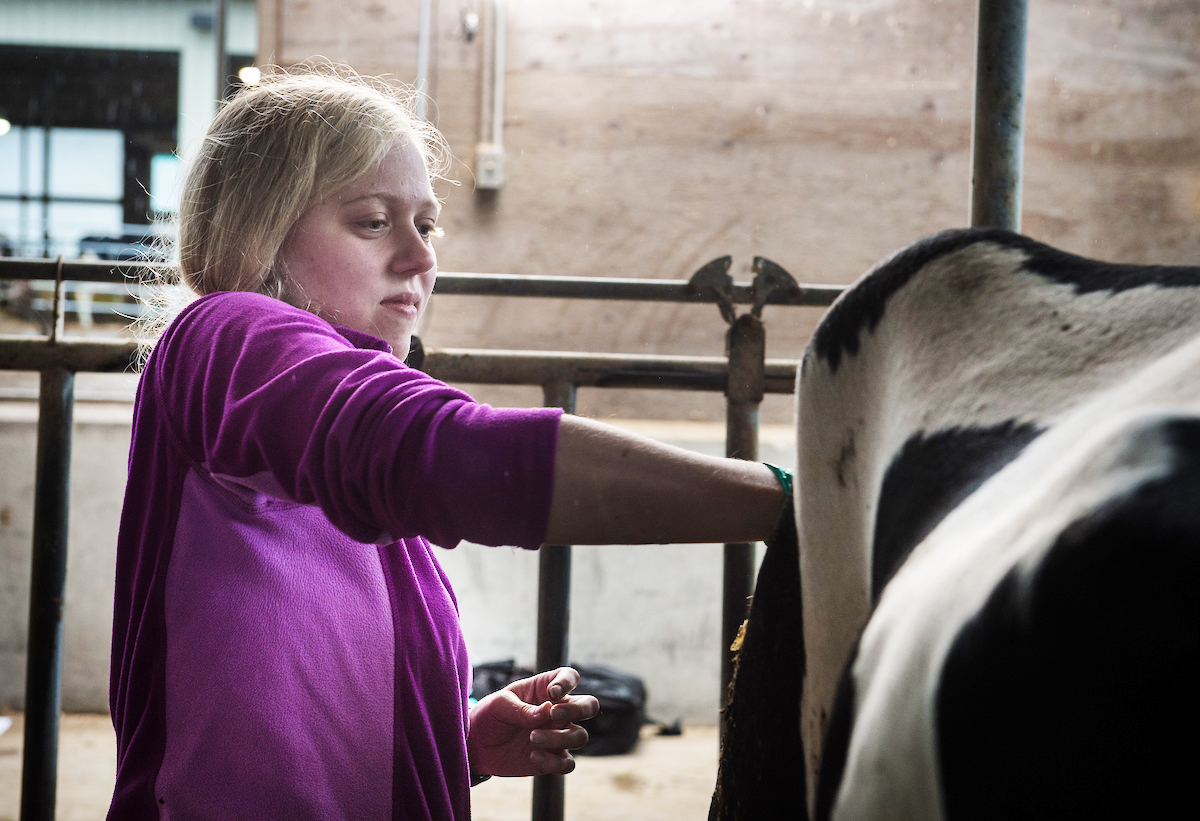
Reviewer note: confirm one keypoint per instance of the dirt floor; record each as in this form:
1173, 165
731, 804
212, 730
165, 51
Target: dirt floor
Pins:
665, 778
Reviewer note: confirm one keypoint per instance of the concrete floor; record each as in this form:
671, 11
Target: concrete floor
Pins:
664, 779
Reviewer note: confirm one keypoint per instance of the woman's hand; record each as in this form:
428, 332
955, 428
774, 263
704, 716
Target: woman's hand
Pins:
528, 727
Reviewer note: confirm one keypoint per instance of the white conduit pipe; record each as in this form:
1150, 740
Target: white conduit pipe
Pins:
499, 47
423, 59
489, 153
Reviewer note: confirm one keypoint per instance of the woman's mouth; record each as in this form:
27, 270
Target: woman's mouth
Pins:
403, 304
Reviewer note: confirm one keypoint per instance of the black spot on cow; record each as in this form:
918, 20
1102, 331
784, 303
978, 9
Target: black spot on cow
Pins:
928, 478
863, 306
1088, 275
1072, 693
846, 459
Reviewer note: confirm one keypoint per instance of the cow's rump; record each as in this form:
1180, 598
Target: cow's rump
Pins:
994, 448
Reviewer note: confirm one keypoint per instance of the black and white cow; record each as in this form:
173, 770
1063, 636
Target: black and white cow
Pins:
998, 508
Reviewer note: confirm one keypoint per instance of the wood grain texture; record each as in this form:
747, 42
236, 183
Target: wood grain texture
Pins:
644, 139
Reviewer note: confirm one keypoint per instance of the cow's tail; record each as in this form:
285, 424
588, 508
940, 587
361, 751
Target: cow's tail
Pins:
761, 770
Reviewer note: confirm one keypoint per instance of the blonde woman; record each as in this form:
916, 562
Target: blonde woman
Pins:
285, 643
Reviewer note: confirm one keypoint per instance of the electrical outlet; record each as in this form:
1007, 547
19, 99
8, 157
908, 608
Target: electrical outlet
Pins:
489, 166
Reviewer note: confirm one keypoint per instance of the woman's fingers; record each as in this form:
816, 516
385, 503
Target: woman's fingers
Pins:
563, 681
552, 685
551, 763
568, 738
574, 709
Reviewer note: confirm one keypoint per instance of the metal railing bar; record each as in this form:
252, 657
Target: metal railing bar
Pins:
462, 284
88, 395
81, 270
35, 353
114, 288
619, 288
461, 365
596, 370
125, 310
54, 199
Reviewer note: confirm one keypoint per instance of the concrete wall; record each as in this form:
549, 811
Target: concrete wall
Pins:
100, 450
654, 611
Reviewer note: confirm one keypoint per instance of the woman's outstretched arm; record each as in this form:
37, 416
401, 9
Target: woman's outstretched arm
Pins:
615, 487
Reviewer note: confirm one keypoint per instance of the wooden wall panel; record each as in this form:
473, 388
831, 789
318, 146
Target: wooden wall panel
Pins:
644, 139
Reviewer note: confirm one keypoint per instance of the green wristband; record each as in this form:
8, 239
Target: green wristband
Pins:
783, 476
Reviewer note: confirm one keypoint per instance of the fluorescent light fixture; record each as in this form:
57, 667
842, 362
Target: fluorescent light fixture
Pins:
250, 75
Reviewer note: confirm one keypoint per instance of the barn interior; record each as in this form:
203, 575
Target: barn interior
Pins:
592, 139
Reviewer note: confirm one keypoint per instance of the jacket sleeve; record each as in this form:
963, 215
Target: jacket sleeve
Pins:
276, 399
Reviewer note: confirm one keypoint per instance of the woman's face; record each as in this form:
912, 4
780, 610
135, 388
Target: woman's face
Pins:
363, 256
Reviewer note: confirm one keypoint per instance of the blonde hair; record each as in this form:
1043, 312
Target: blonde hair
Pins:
274, 151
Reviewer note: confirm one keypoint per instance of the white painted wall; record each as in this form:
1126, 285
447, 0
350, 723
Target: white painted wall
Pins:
653, 611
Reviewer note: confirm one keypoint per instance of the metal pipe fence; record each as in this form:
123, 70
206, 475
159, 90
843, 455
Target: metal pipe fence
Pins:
138, 274
744, 377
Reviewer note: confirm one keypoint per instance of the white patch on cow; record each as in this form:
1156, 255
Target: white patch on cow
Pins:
970, 340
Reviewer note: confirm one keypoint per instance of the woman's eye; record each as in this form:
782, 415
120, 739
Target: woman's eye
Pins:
374, 225
430, 231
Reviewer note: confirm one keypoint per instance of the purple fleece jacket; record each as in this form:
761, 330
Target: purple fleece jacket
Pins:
285, 643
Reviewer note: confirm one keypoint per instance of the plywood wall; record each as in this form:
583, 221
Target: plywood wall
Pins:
645, 138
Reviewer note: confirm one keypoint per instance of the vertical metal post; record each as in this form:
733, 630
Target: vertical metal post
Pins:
43, 673
744, 393
222, 59
998, 129
554, 613
423, 38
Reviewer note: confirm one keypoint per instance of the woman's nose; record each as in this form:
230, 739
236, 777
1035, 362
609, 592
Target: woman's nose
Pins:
413, 254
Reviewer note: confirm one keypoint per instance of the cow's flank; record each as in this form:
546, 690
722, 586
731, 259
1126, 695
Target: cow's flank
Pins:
997, 525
